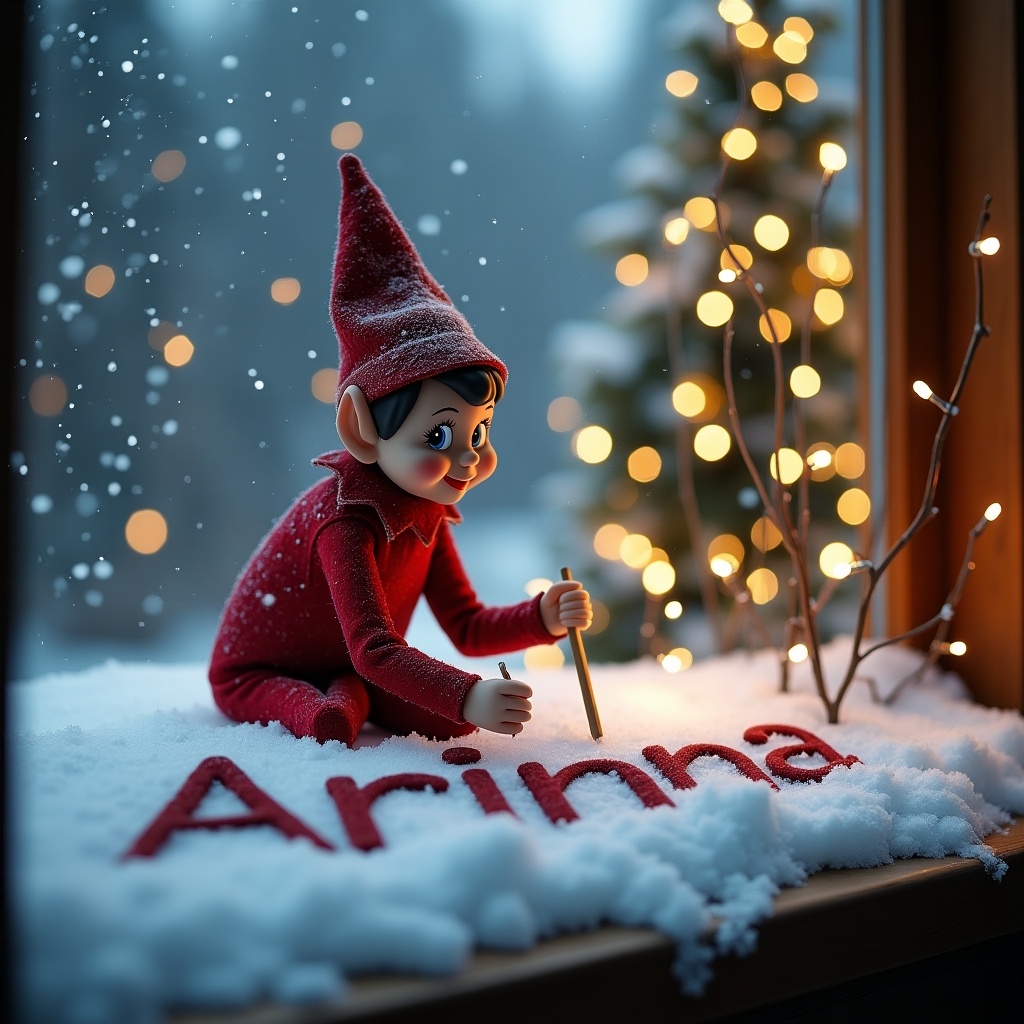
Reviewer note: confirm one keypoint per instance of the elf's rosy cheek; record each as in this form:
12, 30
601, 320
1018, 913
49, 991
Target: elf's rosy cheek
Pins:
430, 468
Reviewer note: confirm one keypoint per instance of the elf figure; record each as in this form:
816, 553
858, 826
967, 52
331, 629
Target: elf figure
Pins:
312, 635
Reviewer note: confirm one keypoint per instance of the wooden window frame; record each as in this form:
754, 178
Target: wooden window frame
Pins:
946, 133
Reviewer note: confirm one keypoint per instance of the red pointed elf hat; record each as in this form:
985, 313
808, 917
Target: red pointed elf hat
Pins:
395, 324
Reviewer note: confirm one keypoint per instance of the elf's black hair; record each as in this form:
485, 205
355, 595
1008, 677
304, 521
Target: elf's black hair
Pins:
477, 385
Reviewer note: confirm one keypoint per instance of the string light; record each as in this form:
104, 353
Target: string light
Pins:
592, 444
923, 391
676, 230
832, 156
739, 143
714, 308
986, 247
681, 83
632, 269
797, 653
993, 512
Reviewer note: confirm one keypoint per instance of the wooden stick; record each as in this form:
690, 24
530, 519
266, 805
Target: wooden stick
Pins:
579, 656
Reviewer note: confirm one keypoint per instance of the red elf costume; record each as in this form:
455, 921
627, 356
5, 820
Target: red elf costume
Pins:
312, 635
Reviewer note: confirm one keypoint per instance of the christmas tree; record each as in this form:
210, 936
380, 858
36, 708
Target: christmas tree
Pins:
675, 542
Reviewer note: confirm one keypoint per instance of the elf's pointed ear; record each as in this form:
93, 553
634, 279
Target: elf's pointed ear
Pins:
356, 428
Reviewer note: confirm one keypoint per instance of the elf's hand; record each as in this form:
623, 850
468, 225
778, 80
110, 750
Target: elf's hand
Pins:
498, 705
566, 605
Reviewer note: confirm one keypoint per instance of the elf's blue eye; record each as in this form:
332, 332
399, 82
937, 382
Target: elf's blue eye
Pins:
440, 437
479, 435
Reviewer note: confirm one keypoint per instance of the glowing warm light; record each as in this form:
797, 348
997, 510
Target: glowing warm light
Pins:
676, 230
790, 47
804, 381
821, 261
763, 585
993, 512
608, 540
752, 36
820, 458
643, 465
688, 399
700, 212
714, 308
47, 396
285, 290
632, 270
774, 325
766, 96
853, 506
146, 531
544, 656
673, 610
739, 143
922, 390
727, 276
850, 460
712, 442
765, 535
958, 648
736, 257
771, 232
791, 466
736, 12
725, 554
168, 165
537, 586
801, 26
677, 660
635, 550
346, 135
592, 444
179, 350
988, 246
681, 83
797, 653
835, 559
99, 281
828, 306
324, 385
724, 566
658, 578
801, 87
832, 156
564, 414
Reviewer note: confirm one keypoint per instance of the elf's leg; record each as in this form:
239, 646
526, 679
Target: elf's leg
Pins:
401, 717
304, 709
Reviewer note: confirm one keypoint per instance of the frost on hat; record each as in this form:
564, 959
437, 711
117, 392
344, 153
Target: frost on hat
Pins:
395, 324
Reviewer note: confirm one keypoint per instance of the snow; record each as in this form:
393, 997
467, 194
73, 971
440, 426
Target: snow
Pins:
224, 918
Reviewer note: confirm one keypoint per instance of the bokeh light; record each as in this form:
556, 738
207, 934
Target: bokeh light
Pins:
564, 414
765, 535
763, 585
636, 550
658, 577
832, 156
346, 135
804, 381
681, 83
751, 35
324, 385
766, 96
632, 270
712, 442
736, 12
853, 506
801, 87
790, 47
835, 559
736, 257
47, 396
679, 659
99, 281
714, 308
791, 465
739, 143
828, 306
168, 165
774, 320
689, 399
643, 464
543, 657
178, 350
676, 230
700, 212
771, 232
592, 444
285, 290
608, 541
850, 460
146, 531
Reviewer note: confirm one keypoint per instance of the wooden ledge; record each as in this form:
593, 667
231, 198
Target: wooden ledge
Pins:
839, 940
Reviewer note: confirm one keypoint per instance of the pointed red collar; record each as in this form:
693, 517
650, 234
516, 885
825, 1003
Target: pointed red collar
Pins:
359, 484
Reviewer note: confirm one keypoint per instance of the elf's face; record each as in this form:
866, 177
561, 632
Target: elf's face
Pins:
443, 448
